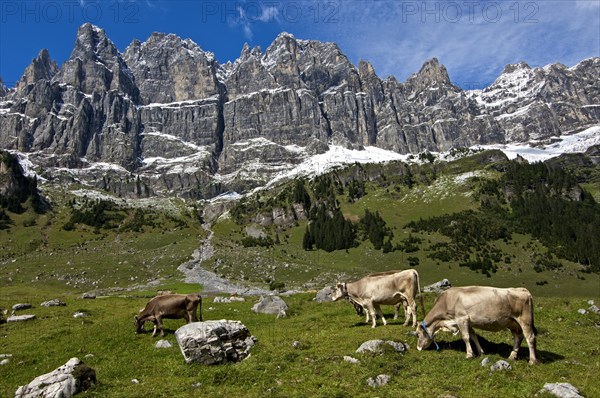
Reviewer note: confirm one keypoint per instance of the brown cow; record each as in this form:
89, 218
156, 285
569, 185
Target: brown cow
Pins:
387, 288
170, 306
461, 309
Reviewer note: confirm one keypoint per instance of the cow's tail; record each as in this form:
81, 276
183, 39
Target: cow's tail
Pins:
420, 295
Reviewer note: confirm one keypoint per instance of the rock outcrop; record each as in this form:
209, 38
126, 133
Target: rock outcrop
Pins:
165, 118
65, 381
214, 342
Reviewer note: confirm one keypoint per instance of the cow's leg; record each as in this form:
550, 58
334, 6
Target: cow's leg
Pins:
371, 310
380, 313
475, 340
531, 342
413, 310
397, 309
160, 326
463, 327
367, 316
518, 338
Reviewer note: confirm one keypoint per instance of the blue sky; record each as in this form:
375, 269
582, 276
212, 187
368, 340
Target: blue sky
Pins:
474, 39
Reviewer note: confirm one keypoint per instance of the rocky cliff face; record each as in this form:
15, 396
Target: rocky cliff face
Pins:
165, 118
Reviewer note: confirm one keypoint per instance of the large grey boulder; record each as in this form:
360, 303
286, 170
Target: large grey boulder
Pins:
561, 390
377, 346
20, 318
324, 295
21, 306
63, 382
272, 305
214, 342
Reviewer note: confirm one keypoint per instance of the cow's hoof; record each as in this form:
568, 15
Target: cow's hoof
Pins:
513, 356
533, 362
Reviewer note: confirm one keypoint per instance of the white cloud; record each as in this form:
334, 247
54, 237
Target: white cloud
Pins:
474, 40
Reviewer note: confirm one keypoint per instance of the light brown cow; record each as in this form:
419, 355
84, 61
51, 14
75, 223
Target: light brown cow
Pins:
170, 306
384, 288
461, 309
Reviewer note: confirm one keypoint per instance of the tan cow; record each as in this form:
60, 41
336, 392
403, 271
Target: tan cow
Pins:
384, 288
462, 309
170, 306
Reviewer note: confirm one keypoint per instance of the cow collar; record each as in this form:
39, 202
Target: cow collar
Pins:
437, 347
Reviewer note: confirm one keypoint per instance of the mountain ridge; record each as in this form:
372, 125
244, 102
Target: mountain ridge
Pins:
179, 123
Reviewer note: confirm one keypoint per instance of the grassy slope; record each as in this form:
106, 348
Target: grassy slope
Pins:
326, 332
451, 193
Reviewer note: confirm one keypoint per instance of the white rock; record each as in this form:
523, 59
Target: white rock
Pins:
561, 390
20, 318
163, 344
351, 359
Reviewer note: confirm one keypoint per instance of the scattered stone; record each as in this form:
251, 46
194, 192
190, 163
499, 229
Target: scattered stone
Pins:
80, 314
135, 381
5, 355
375, 346
351, 359
89, 355
582, 311
438, 287
296, 344
379, 380
4, 362
65, 381
594, 309
20, 318
561, 390
272, 305
89, 296
163, 344
214, 342
53, 303
21, 306
324, 295
591, 302
197, 385
228, 300
485, 361
500, 365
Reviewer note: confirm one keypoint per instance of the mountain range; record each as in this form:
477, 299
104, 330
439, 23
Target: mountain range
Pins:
165, 118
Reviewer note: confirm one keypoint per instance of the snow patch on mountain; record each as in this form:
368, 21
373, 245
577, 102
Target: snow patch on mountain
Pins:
574, 143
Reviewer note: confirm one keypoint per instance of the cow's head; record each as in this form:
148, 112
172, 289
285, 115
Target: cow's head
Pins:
139, 325
424, 339
339, 291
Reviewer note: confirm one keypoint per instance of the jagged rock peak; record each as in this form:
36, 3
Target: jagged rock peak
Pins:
433, 71
365, 69
3, 89
42, 67
510, 68
92, 40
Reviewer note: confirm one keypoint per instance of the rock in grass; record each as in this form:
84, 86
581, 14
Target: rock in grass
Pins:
350, 359
88, 296
324, 295
21, 306
500, 365
582, 311
485, 361
376, 346
20, 318
163, 344
80, 314
379, 380
214, 342
64, 382
593, 308
53, 303
561, 390
272, 305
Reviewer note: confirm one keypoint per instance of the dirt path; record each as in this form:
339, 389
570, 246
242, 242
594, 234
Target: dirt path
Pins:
212, 283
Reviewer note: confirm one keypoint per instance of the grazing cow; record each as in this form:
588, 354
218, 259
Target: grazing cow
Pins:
461, 309
170, 306
387, 288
